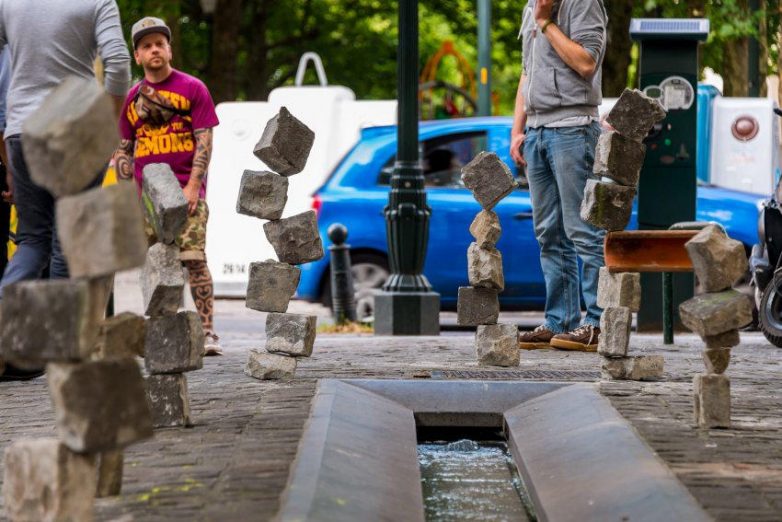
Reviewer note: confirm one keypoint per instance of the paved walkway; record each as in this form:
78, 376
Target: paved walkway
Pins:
233, 464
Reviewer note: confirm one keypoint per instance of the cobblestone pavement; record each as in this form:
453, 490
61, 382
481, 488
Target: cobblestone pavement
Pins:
233, 464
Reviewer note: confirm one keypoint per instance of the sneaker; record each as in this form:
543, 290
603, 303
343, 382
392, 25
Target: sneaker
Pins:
536, 339
212, 344
582, 339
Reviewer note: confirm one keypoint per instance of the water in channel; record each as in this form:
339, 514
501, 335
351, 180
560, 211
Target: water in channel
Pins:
469, 480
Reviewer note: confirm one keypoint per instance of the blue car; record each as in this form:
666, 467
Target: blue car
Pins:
357, 190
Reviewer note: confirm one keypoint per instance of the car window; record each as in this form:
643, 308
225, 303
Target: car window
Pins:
442, 158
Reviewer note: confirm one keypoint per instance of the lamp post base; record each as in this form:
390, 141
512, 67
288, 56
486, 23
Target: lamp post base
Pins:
407, 313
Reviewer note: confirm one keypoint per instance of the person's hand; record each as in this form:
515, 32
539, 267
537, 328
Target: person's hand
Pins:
516, 144
8, 195
542, 11
191, 191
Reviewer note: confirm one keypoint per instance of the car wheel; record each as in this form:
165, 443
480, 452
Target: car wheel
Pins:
770, 311
369, 275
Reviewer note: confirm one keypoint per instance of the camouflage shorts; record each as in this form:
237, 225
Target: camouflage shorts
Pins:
192, 240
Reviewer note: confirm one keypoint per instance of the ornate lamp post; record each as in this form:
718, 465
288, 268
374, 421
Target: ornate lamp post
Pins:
407, 305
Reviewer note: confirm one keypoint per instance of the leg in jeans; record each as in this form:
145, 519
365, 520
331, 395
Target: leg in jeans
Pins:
573, 157
5, 223
557, 253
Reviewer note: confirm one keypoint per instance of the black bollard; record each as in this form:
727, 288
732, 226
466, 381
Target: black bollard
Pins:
343, 301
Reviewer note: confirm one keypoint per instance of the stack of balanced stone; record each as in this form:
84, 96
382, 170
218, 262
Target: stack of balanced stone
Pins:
95, 382
284, 147
174, 341
715, 314
489, 180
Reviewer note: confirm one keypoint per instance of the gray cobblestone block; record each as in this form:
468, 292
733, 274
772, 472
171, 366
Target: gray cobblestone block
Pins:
716, 360
45, 481
485, 228
717, 313
102, 231
484, 267
477, 306
49, 320
271, 286
120, 336
163, 201
488, 178
718, 260
270, 366
728, 339
615, 326
174, 343
99, 405
711, 401
291, 334
162, 280
497, 345
110, 466
638, 368
296, 239
285, 144
635, 114
618, 290
70, 137
262, 195
607, 205
619, 158
169, 400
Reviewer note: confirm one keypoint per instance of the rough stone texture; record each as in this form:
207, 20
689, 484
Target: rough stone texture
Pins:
728, 339
269, 366
295, 239
485, 228
477, 306
162, 280
635, 114
99, 405
110, 466
488, 178
619, 158
615, 326
119, 336
45, 481
102, 231
607, 205
262, 195
718, 260
711, 401
285, 144
496, 345
271, 286
639, 368
617, 290
174, 343
164, 202
716, 359
70, 137
717, 313
484, 267
290, 334
49, 320
169, 400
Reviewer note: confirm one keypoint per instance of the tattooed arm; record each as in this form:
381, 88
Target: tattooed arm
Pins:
123, 159
203, 154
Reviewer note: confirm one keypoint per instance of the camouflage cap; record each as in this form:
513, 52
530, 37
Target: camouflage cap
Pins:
147, 25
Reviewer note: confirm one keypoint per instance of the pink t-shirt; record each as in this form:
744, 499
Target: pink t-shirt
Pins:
173, 142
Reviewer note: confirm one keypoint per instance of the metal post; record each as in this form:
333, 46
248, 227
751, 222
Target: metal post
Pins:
484, 57
407, 305
667, 308
343, 302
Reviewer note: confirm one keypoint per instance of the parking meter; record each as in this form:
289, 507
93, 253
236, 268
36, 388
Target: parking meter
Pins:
668, 71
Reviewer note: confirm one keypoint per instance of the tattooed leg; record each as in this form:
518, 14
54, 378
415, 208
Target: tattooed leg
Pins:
203, 291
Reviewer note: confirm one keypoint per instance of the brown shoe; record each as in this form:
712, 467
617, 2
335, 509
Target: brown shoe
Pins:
536, 339
582, 339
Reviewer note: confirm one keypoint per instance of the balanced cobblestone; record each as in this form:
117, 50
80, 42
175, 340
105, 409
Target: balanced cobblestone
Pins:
716, 359
622, 289
728, 339
162, 280
121, 336
110, 467
270, 366
634, 114
174, 343
607, 205
290, 334
614, 337
262, 195
488, 178
718, 260
271, 286
164, 202
285, 144
484, 267
477, 306
496, 345
637, 368
169, 400
712, 401
485, 228
716, 313
296, 239
619, 158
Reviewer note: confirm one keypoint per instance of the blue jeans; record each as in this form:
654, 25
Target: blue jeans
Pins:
559, 162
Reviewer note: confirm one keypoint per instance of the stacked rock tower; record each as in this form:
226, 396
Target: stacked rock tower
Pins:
284, 146
95, 383
715, 314
174, 340
608, 204
490, 180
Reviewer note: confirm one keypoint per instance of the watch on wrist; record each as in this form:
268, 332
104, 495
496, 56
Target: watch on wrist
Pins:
545, 25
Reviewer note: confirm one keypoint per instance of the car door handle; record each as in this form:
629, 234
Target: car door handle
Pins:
523, 215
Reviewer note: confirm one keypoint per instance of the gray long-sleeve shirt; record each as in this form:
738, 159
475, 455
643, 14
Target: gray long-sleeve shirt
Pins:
50, 40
